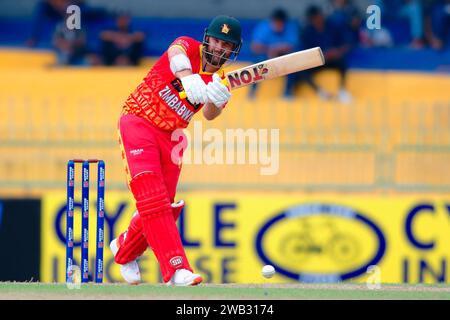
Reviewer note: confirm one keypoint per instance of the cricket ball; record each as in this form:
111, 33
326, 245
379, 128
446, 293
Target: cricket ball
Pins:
268, 271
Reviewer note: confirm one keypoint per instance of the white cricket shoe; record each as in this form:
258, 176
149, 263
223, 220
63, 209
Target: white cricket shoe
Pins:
130, 271
183, 278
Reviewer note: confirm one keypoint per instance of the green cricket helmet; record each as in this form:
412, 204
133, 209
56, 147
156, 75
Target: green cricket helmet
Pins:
225, 28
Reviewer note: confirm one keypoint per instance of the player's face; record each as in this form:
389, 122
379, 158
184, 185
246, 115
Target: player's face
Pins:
278, 25
219, 51
220, 47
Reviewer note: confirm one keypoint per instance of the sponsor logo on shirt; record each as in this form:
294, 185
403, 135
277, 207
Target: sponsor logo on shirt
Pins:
136, 152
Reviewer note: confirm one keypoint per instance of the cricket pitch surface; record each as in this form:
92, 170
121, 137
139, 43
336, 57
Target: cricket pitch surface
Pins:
53, 291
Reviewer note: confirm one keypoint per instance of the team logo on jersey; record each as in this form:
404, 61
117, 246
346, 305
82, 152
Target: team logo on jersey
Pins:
225, 28
177, 85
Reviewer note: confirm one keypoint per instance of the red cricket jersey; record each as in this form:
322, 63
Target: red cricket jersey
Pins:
157, 98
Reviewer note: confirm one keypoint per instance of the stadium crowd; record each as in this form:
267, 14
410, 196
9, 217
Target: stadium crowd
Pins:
337, 28
340, 27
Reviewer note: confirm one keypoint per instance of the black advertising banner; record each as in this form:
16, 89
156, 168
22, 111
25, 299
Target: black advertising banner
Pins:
20, 239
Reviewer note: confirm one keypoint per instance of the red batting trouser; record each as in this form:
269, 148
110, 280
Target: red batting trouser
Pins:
146, 148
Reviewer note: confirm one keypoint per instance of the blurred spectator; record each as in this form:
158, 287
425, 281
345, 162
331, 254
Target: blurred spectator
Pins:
412, 12
272, 38
47, 14
89, 12
437, 24
376, 37
346, 17
70, 45
335, 46
380, 38
121, 46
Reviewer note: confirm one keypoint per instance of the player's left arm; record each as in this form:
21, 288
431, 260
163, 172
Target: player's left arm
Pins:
218, 96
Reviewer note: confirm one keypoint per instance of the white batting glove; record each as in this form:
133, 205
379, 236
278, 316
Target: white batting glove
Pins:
218, 93
195, 88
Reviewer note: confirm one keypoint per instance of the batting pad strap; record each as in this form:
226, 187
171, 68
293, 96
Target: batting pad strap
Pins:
177, 208
180, 62
132, 247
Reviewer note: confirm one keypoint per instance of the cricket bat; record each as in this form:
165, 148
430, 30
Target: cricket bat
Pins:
273, 68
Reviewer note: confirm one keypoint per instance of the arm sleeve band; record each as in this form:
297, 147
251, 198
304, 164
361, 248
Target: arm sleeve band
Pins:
180, 62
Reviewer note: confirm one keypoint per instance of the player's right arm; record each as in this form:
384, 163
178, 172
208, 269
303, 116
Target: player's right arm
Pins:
193, 84
174, 51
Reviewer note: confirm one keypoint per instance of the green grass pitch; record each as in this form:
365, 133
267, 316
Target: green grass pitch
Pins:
30, 290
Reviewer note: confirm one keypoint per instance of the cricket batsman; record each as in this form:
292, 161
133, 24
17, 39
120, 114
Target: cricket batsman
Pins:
150, 115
